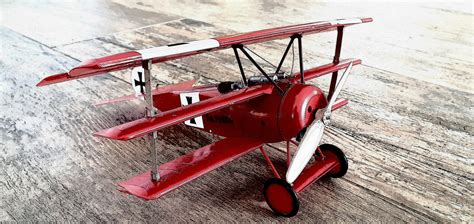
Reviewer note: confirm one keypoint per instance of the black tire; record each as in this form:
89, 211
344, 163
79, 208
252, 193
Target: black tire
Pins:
341, 157
284, 205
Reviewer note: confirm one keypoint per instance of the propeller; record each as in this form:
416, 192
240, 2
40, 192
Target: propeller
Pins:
314, 134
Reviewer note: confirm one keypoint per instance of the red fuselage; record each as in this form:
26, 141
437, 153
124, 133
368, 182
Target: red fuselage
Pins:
271, 118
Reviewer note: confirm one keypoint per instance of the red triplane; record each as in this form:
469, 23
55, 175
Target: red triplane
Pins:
267, 108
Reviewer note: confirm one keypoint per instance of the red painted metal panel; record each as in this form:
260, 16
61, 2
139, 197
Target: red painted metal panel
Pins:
143, 126
188, 167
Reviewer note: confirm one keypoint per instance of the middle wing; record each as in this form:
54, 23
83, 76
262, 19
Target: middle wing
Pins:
325, 69
143, 126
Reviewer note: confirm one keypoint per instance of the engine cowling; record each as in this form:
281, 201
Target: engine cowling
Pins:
298, 107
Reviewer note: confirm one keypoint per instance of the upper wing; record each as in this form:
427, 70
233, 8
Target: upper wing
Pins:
143, 126
188, 167
287, 31
160, 54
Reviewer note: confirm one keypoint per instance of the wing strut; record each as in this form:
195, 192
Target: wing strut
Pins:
337, 53
244, 79
258, 67
292, 38
151, 112
300, 57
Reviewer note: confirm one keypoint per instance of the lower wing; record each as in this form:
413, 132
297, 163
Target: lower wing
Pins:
188, 167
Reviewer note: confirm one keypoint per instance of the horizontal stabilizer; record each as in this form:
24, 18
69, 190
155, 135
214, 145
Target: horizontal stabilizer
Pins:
168, 118
165, 89
188, 167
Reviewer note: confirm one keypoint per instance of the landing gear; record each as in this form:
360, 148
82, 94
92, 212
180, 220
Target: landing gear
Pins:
333, 151
281, 197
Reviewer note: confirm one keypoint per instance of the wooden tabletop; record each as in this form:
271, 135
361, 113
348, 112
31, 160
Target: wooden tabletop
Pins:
407, 131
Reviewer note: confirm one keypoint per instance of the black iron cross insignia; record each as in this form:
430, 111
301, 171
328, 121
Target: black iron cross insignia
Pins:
190, 101
140, 83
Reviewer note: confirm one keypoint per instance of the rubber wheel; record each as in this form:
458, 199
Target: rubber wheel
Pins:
333, 151
280, 197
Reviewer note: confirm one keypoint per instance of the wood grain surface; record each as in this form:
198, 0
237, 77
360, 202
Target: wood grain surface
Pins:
407, 131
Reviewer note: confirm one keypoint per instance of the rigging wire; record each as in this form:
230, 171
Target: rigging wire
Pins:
268, 62
260, 57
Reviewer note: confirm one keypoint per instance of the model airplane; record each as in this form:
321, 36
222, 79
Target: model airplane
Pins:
267, 108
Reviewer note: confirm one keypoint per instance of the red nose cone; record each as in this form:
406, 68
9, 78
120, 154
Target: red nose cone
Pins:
298, 107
